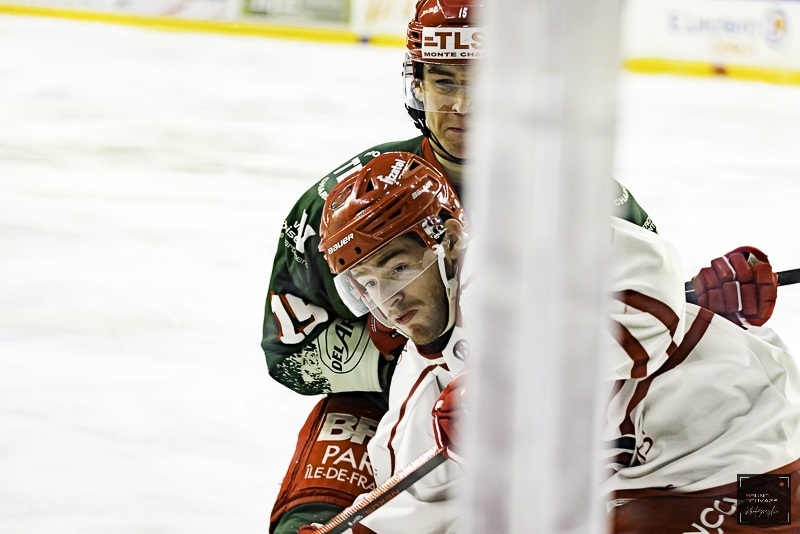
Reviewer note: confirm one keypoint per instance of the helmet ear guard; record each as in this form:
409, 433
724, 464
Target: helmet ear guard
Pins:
433, 227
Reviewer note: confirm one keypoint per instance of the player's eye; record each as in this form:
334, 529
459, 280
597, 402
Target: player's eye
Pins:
400, 269
364, 281
446, 85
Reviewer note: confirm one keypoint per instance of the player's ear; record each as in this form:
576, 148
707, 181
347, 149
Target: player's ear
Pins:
416, 89
453, 241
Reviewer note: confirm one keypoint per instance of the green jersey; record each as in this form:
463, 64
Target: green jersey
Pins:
311, 340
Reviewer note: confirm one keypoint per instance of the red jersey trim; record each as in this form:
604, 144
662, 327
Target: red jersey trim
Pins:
358, 528
654, 307
690, 341
430, 156
717, 491
402, 413
633, 348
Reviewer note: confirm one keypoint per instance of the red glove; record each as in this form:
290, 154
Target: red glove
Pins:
449, 417
307, 529
740, 286
389, 341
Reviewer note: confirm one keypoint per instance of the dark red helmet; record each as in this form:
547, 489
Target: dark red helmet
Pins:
444, 27
394, 194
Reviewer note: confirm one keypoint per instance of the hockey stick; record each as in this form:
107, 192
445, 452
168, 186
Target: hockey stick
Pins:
785, 278
387, 491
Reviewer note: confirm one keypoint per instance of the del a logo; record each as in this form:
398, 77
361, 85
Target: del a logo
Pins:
303, 232
343, 345
452, 43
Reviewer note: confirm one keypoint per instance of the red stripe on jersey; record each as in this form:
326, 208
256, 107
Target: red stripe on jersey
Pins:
690, 341
430, 156
392, 434
623, 458
275, 315
654, 307
633, 348
358, 528
719, 491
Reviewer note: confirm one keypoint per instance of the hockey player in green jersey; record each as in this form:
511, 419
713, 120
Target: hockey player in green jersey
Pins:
311, 340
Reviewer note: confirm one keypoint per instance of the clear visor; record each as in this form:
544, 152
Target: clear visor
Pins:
438, 87
374, 287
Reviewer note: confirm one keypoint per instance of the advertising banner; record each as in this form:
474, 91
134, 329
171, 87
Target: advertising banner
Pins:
299, 11
753, 33
187, 9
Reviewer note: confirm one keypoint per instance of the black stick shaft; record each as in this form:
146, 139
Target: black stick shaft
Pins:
785, 278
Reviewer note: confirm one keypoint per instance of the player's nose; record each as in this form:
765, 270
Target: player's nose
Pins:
462, 104
388, 295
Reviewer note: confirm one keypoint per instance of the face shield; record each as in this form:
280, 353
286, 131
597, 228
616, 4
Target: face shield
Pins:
376, 284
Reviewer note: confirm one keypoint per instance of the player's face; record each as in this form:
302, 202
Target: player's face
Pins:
419, 309
444, 92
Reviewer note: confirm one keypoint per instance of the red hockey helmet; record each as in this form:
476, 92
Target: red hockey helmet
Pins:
395, 194
444, 31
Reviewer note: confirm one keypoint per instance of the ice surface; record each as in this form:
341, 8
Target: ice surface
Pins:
715, 163
143, 179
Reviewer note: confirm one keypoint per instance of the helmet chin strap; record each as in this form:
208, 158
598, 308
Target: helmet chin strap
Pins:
446, 153
418, 117
450, 286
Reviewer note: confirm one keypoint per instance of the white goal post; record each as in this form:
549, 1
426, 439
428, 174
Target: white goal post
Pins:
539, 194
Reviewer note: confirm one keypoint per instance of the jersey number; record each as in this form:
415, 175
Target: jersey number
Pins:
296, 318
351, 167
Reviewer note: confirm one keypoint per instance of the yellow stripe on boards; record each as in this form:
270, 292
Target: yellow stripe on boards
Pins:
777, 76
699, 68
667, 66
387, 40
324, 35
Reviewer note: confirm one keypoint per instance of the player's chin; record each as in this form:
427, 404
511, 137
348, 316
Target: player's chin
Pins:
422, 332
454, 141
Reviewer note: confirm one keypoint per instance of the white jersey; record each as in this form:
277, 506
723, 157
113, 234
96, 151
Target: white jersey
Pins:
405, 432
697, 399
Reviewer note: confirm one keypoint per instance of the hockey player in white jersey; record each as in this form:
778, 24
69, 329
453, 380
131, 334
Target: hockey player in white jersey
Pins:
696, 398
394, 235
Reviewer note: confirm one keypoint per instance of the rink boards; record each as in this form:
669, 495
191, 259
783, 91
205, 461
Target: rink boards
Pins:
745, 39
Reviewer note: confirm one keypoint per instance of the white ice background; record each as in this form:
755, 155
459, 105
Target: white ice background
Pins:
144, 176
